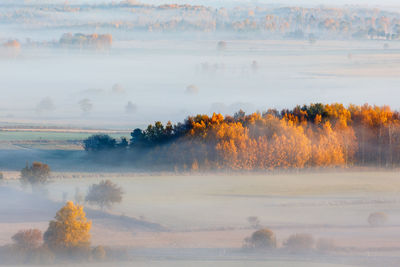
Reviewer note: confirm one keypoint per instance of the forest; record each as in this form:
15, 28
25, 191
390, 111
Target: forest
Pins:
310, 136
268, 21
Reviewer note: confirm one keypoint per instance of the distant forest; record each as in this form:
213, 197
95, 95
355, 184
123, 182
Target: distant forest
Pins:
265, 21
309, 136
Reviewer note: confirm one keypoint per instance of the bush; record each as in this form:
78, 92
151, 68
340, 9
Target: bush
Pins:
325, 244
377, 219
299, 242
261, 239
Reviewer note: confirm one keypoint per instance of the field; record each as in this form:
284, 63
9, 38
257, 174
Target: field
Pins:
205, 216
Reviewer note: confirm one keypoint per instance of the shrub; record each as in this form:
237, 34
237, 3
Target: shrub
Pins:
299, 242
261, 239
28, 239
377, 219
69, 232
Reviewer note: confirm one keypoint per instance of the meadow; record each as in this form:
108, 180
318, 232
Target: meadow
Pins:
202, 215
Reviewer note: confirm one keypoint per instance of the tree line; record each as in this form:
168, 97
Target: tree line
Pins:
310, 136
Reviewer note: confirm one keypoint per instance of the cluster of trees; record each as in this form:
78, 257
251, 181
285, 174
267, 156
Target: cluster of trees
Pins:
265, 240
104, 194
93, 41
309, 136
66, 238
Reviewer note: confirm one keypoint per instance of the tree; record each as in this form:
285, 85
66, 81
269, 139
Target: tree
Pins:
69, 230
299, 242
254, 221
28, 239
36, 174
261, 239
104, 194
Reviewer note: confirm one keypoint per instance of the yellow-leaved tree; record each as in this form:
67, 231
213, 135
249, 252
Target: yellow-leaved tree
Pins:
69, 230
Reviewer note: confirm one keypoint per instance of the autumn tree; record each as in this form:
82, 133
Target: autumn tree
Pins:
36, 174
69, 230
104, 194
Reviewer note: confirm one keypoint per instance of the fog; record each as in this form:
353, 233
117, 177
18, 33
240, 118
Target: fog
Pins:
104, 162
153, 67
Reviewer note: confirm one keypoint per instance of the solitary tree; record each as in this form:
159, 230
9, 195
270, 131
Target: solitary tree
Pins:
36, 174
104, 194
69, 230
261, 239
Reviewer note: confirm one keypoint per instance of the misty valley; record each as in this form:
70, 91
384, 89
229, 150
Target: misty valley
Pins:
199, 133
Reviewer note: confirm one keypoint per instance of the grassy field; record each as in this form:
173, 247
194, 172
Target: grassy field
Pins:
211, 211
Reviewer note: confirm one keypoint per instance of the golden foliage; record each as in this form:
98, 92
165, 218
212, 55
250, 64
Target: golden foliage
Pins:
70, 229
